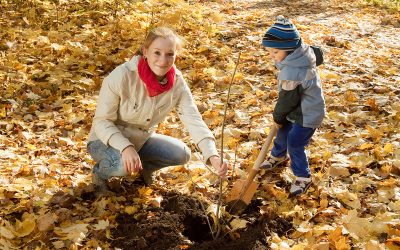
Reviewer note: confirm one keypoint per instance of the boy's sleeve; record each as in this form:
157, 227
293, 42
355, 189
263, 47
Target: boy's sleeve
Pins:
289, 98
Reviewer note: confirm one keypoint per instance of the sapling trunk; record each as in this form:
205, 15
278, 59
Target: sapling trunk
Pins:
222, 145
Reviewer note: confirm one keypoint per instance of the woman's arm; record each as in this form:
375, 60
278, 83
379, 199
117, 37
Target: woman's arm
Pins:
193, 122
104, 122
107, 112
198, 130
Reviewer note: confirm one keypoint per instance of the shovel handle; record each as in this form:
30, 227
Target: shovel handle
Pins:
265, 147
263, 153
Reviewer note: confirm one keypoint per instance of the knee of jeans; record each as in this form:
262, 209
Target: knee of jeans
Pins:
295, 144
109, 169
184, 157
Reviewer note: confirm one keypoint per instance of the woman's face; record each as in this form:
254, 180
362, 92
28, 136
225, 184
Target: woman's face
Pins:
160, 56
276, 54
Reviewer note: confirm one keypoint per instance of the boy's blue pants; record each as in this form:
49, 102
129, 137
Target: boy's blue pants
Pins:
292, 138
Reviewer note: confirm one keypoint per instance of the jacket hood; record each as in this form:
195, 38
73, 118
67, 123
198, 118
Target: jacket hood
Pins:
299, 65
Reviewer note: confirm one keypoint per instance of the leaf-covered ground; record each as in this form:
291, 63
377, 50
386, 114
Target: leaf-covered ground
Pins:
54, 55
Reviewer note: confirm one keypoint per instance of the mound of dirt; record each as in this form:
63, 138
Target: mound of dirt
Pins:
180, 223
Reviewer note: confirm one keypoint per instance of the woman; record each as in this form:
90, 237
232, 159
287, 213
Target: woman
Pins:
133, 100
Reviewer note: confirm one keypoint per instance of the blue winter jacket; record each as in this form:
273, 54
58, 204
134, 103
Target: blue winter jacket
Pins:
300, 97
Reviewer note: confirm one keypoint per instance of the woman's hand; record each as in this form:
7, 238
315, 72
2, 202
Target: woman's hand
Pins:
221, 169
131, 160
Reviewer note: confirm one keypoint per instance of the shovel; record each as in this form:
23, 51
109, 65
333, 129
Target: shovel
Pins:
243, 190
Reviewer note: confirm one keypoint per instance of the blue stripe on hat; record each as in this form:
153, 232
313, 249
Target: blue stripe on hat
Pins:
283, 45
283, 34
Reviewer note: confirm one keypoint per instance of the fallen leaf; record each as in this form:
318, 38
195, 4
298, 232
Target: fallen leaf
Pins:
76, 233
46, 222
238, 223
101, 225
131, 209
6, 233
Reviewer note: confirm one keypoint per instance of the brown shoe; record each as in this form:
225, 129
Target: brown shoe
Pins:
148, 176
100, 184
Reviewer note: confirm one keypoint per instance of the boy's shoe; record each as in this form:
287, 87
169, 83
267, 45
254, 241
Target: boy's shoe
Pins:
300, 186
100, 184
148, 176
273, 162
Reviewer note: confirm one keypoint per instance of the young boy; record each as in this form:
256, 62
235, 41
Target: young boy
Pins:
300, 107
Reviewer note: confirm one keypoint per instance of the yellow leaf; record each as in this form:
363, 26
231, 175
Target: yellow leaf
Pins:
386, 169
300, 246
326, 155
57, 47
374, 133
350, 199
318, 230
372, 103
378, 152
3, 112
336, 234
131, 209
66, 141
338, 171
276, 191
393, 71
108, 234
232, 143
388, 148
395, 206
212, 211
25, 227
76, 233
145, 191
366, 146
58, 244
359, 228
350, 96
101, 224
324, 203
30, 146
92, 68
46, 222
216, 17
373, 245
329, 76
342, 244
238, 223
396, 240
4, 232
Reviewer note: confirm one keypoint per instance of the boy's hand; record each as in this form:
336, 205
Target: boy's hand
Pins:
278, 126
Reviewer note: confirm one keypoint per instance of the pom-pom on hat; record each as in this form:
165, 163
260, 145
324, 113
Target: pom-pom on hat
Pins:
282, 35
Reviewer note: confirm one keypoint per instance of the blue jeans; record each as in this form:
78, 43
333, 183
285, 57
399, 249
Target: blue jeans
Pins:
158, 152
292, 138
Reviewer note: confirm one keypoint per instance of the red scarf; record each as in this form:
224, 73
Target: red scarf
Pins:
149, 78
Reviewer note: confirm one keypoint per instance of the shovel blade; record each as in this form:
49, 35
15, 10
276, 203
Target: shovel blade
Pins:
238, 193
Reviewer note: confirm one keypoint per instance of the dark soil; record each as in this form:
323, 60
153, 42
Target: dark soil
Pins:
181, 223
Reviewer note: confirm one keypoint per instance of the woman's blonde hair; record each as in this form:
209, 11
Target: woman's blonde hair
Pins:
163, 32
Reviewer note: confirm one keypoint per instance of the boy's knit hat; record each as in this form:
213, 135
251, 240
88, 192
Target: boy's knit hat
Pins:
282, 35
